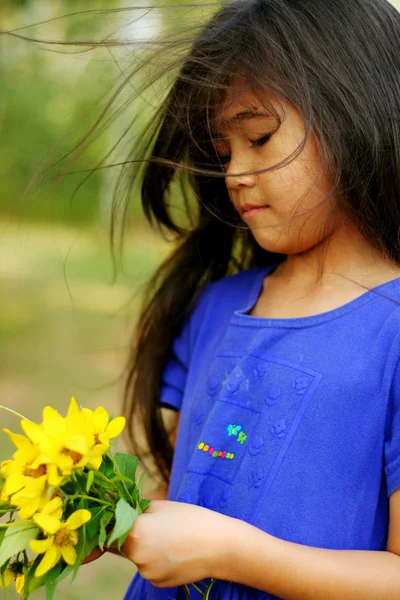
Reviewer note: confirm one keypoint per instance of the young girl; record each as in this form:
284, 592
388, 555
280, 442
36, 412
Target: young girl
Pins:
274, 329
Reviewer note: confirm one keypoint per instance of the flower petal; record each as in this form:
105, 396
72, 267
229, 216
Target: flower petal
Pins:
19, 583
48, 523
52, 506
41, 546
34, 432
68, 554
4, 464
100, 418
29, 506
78, 518
50, 559
8, 578
115, 427
77, 443
53, 423
42, 459
96, 462
54, 478
20, 441
73, 410
88, 415
14, 483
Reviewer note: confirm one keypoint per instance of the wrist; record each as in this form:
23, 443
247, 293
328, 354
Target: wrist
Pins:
243, 547
224, 545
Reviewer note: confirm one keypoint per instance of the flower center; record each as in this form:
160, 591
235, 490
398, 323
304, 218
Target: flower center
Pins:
35, 473
76, 457
16, 568
65, 537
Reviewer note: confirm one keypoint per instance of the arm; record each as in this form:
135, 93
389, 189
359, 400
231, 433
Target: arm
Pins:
295, 572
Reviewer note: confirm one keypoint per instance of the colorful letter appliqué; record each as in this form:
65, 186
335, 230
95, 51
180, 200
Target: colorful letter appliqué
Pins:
233, 430
215, 453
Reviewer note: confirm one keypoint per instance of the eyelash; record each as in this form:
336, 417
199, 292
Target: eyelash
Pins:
256, 144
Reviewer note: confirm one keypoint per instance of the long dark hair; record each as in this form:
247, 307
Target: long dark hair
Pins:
338, 63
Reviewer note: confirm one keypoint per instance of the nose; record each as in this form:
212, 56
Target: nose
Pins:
240, 173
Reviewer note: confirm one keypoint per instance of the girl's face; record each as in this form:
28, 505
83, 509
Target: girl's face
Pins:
289, 210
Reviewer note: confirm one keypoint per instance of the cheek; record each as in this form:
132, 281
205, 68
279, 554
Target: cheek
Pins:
299, 187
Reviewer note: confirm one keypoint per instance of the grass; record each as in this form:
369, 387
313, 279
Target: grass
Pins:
65, 330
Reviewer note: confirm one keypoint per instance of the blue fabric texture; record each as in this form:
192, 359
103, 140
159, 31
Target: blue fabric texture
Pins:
292, 425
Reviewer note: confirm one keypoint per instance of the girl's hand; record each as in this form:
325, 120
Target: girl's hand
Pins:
174, 543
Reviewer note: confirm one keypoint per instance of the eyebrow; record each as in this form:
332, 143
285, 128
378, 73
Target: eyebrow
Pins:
250, 114
244, 116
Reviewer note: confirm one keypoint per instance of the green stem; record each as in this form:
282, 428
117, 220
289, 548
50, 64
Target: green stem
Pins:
14, 412
197, 589
17, 524
83, 497
118, 472
187, 592
207, 594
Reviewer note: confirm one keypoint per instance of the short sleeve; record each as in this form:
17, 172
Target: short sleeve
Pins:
392, 436
176, 371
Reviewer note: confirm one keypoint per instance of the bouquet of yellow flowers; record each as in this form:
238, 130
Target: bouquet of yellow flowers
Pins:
62, 494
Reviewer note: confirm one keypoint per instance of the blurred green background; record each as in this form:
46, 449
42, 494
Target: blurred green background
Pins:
65, 324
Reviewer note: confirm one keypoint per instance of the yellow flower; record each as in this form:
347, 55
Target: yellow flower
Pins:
26, 476
68, 443
61, 541
22, 468
51, 506
104, 429
8, 578
28, 500
15, 571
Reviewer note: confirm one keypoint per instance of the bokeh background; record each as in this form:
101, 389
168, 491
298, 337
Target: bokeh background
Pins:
66, 313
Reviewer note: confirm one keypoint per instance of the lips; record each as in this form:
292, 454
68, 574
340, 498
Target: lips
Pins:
250, 210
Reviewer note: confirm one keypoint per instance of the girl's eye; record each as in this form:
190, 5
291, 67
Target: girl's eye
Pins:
261, 141
225, 159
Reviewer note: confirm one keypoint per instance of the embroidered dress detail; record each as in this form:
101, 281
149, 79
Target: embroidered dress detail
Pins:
215, 453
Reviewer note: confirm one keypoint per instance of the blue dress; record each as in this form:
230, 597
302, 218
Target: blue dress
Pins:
292, 425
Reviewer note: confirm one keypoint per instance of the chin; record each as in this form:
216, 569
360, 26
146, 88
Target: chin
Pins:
282, 244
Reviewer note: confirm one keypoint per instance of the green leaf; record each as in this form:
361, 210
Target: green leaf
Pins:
144, 503
125, 516
64, 574
16, 539
140, 482
103, 481
127, 465
89, 481
121, 540
105, 520
50, 589
124, 479
93, 526
32, 583
50, 581
80, 550
91, 544
123, 492
107, 466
